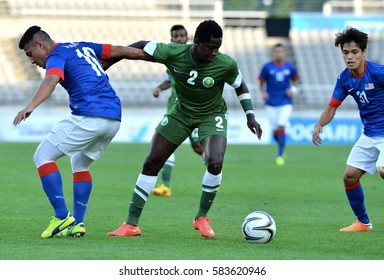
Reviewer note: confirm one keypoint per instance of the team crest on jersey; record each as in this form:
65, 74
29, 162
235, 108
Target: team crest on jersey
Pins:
287, 72
208, 82
369, 86
164, 121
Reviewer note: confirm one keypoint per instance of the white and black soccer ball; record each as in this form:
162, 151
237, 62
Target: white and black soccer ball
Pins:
259, 227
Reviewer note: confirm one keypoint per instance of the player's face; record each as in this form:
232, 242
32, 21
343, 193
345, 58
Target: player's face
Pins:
36, 53
278, 54
179, 36
353, 57
207, 51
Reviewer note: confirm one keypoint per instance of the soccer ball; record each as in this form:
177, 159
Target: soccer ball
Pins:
259, 227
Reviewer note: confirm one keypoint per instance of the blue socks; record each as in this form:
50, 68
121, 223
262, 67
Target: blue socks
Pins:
280, 138
355, 197
53, 187
281, 144
82, 187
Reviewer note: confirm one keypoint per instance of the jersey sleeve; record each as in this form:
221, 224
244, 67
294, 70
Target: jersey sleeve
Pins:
106, 51
380, 76
234, 75
159, 51
55, 65
294, 76
263, 74
339, 94
102, 51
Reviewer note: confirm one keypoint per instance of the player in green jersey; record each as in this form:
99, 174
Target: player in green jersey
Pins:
199, 72
179, 35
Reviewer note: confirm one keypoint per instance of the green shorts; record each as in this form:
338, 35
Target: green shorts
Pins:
194, 137
176, 126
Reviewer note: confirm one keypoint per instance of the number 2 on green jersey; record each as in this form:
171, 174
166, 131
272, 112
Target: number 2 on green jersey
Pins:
193, 75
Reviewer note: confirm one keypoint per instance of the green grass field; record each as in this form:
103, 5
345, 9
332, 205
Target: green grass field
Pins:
305, 197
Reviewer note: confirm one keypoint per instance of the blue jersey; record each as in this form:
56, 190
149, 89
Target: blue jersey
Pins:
80, 72
368, 92
278, 79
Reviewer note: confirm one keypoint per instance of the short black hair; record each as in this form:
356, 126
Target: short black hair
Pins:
278, 45
208, 29
178, 27
28, 35
351, 34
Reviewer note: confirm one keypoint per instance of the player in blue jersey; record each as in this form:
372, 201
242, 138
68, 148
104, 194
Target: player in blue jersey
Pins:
364, 81
277, 80
83, 134
179, 35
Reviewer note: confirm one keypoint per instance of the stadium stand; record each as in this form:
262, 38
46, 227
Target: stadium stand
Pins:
126, 21
104, 21
320, 62
311, 51
358, 7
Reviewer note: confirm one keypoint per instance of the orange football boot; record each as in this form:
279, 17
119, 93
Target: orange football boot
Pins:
203, 225
358, 226
125, 230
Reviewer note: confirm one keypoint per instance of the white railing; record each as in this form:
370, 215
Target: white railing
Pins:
358, 7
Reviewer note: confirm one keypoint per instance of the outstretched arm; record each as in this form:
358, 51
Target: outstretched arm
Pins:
121, 52
134, 51
46, 88
325, 118
244, 97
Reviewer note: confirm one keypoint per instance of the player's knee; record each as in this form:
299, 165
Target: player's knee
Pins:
214, 167
349, 179
36, 159
151, 166
380, 171
281, 130
80, 163
39, 158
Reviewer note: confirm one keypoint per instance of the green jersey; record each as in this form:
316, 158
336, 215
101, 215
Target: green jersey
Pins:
199, 86
172, 97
